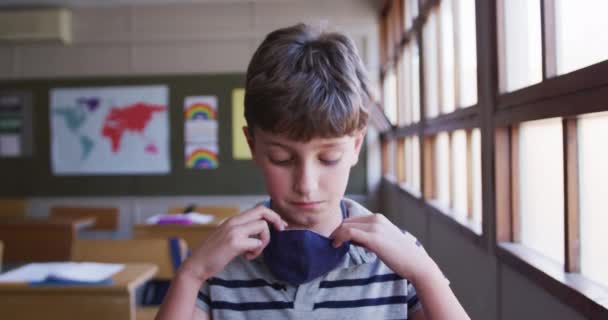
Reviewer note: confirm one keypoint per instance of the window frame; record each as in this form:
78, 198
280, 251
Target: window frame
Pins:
497, 116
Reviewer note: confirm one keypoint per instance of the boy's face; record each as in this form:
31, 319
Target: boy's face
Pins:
306, 180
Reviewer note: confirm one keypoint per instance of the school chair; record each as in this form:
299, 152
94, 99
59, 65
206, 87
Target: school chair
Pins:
106, 218
1, 252
167, 254
12, 208
36, 240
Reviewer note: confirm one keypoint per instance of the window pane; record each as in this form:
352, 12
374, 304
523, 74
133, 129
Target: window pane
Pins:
464, 11
476, 154
459, 165
390, 96
593, 174
541, 187
405, 88
574, 22
410, 12
409, 166
415, 79
415, 163
431, 70
442, 165
522, 41
447, 84
391, 154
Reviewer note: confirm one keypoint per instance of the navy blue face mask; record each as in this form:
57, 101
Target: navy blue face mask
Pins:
299, 256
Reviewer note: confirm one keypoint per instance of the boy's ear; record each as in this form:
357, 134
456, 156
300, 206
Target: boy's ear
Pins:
250, 142
359, 140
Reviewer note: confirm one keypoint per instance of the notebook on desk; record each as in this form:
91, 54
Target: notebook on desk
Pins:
63, 273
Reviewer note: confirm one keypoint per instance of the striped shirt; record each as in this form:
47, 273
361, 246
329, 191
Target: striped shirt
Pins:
362, 287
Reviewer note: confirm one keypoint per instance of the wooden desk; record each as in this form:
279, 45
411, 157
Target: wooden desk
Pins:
92, 302
193, 234
39, 239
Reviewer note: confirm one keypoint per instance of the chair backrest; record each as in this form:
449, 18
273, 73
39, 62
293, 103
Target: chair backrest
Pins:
1, 252
12, 207
167, 254
221, 212
28, 240
106, 218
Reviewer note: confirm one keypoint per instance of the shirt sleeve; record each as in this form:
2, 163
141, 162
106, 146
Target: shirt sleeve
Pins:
203, 298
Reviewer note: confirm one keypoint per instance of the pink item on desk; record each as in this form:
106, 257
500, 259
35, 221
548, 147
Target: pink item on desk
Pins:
174, 220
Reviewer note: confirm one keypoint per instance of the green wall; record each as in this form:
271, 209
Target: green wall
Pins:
31, 175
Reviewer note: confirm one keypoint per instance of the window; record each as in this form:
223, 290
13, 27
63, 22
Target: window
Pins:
593, 175
545, 130
466, 52
410, 11
431, 63
476, 176
575, 20
409, 88
521, 45
541, 187
459, 174
446, 51
412, 164
390, 96
450, 53
442, 165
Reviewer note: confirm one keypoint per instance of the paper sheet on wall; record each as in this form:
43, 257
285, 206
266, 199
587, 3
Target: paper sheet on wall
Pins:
200, 132
240, 149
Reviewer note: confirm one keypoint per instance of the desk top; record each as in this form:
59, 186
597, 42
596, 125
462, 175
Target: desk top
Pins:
129, 278
78, 223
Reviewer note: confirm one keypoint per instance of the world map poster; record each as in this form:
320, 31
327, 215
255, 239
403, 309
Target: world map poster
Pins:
120, 130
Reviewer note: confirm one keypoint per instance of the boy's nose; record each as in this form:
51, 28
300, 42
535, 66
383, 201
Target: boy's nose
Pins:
305, 181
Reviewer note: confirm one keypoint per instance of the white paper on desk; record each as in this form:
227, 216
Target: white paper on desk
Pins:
73, 271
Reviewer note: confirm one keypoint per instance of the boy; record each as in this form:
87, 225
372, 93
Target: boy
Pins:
308, 253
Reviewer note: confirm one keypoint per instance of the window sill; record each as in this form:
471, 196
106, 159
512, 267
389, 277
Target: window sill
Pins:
575, 290
467, 227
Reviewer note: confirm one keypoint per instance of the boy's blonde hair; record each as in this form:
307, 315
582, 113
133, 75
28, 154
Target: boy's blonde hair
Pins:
305, 83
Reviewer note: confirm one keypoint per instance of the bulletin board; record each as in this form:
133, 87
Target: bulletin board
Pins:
33, 175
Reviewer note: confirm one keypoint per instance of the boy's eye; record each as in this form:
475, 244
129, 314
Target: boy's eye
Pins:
330, 159
279, 161
330, 162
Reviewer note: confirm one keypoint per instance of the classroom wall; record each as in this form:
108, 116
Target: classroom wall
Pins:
210, 37
214, 37
487, 288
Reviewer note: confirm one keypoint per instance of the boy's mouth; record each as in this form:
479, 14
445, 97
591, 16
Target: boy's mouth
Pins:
306, 204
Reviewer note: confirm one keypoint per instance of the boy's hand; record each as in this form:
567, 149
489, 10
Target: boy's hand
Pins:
399, 251
246, 233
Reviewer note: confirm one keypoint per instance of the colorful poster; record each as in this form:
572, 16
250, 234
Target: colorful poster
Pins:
240, 149
110, 130
200, 132
15, 124
201, 156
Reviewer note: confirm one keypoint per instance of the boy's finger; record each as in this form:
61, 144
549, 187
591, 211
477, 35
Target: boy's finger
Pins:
250, 244
265, 238
345, 233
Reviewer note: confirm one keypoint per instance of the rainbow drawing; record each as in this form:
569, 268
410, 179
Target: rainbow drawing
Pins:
199, 110
201, 158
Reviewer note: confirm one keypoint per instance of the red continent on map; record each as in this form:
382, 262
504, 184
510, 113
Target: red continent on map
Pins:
133, 117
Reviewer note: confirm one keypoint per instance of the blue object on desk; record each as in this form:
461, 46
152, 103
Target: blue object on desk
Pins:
57, 281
